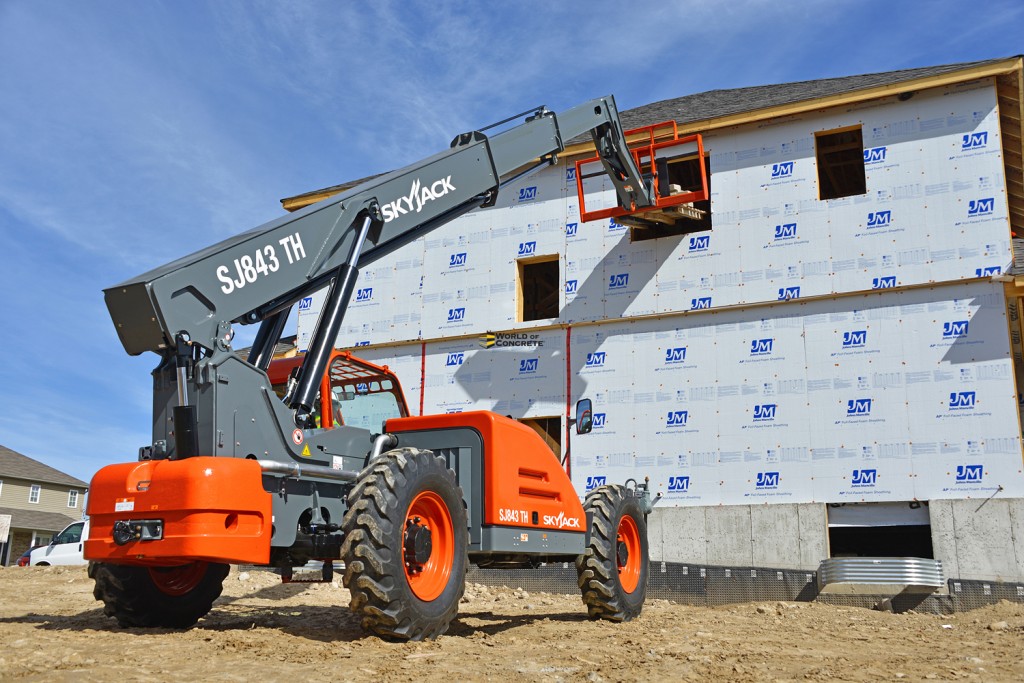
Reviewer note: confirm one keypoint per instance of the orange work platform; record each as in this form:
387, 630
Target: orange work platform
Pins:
672, 166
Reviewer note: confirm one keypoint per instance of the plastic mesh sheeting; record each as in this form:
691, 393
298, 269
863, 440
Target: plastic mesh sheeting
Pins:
710, 585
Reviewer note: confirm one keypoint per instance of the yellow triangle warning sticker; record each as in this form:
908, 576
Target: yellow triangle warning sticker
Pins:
305, 451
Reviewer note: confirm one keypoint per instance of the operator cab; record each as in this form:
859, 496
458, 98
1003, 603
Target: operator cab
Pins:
353, 392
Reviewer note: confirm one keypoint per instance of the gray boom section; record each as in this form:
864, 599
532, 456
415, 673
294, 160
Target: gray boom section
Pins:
259, 272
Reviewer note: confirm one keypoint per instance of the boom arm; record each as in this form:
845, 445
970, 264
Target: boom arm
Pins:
253, 275
258, 275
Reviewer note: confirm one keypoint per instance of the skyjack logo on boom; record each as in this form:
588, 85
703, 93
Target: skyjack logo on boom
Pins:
419, 195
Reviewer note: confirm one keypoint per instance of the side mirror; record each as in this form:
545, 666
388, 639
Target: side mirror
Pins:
584, 416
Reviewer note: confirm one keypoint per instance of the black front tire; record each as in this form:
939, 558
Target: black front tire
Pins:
382, 581
614, 587
172, 597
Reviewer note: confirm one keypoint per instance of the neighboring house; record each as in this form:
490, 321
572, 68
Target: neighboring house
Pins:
827, 364
40, 500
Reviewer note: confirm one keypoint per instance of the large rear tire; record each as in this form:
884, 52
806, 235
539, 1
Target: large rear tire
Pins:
168, 597
405, 545
613, 570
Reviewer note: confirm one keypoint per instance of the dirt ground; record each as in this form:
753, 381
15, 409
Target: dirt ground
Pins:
51, 629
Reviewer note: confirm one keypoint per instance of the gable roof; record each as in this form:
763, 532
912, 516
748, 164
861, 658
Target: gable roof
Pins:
18, 466
37, 520
718, 108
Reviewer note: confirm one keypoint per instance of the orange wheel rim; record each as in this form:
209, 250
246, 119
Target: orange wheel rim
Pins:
428, 579
629, 571
177, 581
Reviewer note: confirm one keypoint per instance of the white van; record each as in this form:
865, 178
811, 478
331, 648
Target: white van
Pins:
65, 548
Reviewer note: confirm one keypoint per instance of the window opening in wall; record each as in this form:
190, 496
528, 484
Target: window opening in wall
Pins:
680, 174
538, 279
72, 499
879, 529
549, 429
840, 156
33, 493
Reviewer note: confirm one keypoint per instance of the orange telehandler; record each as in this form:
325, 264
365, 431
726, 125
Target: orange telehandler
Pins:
277, 463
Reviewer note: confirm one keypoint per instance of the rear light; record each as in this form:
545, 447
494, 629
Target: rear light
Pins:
22, 561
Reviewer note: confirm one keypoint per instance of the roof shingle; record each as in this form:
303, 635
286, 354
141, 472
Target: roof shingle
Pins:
18, 466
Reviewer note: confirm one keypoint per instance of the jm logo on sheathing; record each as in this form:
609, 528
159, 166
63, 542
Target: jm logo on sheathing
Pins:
677, 418
864, 477
879, 219
887, 282
981, 207
700, 243
527, 194
786, 231
455, 359
787, 293
764, 412
364, 294
858, 407
975, 140
874, 155
676, 355
527, 366
855, 338
679, 484
596, 482
702, 302
570, 229
570, 286
761, 347
962, 400
457, 260
767, 480
306, 303
966, 474
988, 271
527, 248
620, 281
596, 359
599, 420
456, 314
954, 329
783, 170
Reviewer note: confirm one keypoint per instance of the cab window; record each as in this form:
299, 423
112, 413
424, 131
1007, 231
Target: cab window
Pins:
363, 401
73, 534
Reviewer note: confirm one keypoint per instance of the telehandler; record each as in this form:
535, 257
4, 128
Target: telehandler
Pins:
320, 459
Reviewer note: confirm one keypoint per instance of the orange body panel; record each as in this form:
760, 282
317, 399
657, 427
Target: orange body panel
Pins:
213, 509
521, 476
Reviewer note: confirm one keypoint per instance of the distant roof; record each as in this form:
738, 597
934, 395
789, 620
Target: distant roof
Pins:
37, 520
714, 104
18, 466
717, 106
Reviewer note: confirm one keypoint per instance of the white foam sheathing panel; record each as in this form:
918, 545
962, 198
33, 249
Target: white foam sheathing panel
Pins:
935, 210
890, 391
890, 396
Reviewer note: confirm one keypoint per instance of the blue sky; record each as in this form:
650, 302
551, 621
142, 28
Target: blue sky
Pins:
132, 133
